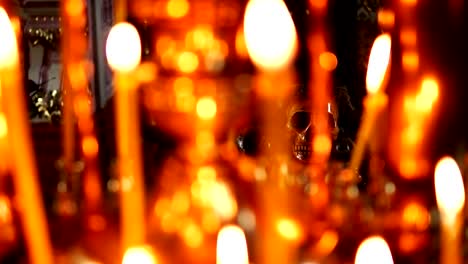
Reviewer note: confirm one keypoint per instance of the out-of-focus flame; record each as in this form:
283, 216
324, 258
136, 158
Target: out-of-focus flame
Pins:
428, 95
450, 192
373, 250
123, 47
206, 108
270, 34
379, 60
289, 229
231, 246
139, 255
8, 44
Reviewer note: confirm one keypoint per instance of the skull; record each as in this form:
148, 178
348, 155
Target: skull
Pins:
302, 125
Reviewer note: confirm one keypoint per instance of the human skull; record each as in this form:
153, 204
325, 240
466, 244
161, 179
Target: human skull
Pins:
302, 125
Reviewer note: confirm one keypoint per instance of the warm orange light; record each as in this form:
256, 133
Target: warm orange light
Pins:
415, 216
410, 60
139, 255
327, 243
187, 62
205, 140
408, 37
289, 229
386, 18
328, 61
123, 47
318, 4
322, 144
177, 8
409, 2
270, 34
223, 201
231, 247
241, 48
90, 146
379, 60
3, 126
193, 235
5, 210
8, 45
206, 108
449, 189
206, 174
428, 95
373, 250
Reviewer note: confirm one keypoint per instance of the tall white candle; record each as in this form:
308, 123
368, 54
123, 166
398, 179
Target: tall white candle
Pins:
124, 54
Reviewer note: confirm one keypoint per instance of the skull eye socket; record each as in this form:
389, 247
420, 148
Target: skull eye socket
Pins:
300, 120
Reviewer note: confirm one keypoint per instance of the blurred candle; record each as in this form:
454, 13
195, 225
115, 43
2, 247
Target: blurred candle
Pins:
450, 195
271, 41
123, 52
23, 163
373, 250
376, 101
231, 246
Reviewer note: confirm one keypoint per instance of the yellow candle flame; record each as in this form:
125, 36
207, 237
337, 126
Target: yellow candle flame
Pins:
139, 255
373, 250
379, 60
270, 34
123, 47
450, 192
8, 50
231, 246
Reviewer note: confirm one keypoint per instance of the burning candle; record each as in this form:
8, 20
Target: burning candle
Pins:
376, 101
450, 195
231, 246
271, 42
373, 250
123, 52
23, 163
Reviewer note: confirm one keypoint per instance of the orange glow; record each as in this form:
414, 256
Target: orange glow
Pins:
210, 222
177, 8
90, 146
409, 2
140, 255
327, 243
289, 229
123, 47
386, 18
5, 210
223, 201
183, 86
270, 34
164, 43
206, 108
241, 47
408, 37
206, 174
187, 62
201, 37
415, 216
328, 61
379, 60
322, 144
373, 250
193, 235
409, 242
412, 135
8, 45
231, 247
318, 4
428, 95
74, 8
180, 202
3, 126
410, 61
450, 192
205, 140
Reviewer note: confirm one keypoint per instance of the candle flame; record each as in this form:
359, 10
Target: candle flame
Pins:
450, 192
270, 34
139, 255
373, 250
379, 60
123, 47
8, 45
231, 246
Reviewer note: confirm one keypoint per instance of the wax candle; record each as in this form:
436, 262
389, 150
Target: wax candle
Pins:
231, 247
450, 196
23, 163
373, 250
123, 52
376, 100
271, 42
